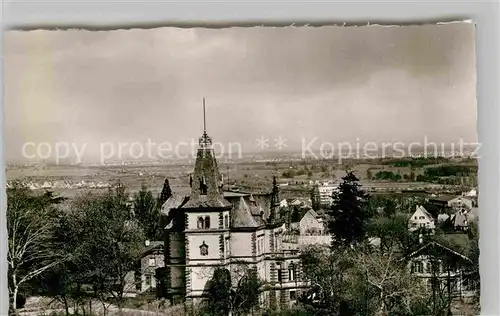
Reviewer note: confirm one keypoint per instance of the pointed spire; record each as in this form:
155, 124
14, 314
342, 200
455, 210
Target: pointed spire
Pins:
274, 214
205, 141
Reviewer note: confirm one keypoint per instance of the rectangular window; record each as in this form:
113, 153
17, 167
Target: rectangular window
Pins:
226, 221
152, 262
228, 251
291, 273
293, 296
148, 280
278, 271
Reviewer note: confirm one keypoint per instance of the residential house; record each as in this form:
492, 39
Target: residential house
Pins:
443, 269
294, 202
472, 193
462, 202
421, 219
311, 224
152, 258
284, 203
460, 220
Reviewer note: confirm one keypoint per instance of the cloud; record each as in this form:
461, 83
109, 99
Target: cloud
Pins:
382, 82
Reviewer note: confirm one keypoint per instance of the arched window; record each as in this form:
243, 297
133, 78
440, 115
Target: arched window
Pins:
204, 249
200, 222
207, 222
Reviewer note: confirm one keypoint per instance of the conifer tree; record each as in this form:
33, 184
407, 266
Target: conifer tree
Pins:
315, 200
348, 214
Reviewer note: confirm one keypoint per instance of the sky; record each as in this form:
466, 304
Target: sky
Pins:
369, 83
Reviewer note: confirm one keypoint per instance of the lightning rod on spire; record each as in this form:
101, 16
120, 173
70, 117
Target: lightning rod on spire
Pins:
204, 118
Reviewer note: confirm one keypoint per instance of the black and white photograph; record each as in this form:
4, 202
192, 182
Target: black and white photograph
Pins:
263, 171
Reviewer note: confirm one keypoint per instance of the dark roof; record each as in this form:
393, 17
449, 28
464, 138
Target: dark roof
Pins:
434, 209
206, 177
443, 198
206, 201
229, 194
175, 201
153, 245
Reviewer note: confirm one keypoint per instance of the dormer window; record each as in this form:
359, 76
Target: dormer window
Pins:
203, 222
204, 249
203, 186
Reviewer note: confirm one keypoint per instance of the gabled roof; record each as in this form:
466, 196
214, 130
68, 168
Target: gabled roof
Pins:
443, 217
153, 245
436, 244
424, 211
175, 201
242, 216
313, 213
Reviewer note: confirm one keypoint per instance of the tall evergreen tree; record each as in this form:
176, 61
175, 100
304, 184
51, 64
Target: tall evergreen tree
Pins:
348, 214
315, 201
147, 212
166, 192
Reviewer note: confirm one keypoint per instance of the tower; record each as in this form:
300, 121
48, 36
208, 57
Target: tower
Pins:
206, 216
274, 214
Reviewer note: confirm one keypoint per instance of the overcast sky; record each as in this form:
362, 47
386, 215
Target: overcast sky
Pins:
336, 83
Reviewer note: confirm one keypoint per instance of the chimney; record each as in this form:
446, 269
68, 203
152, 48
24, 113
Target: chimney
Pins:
147, 243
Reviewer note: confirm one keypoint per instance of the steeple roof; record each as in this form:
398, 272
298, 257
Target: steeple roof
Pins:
206, 181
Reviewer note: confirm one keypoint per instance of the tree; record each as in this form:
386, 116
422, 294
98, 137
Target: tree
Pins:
31, 220
315, 198
147, 212
329, 275
397, 291
369, 174
393, 232
412, 176
111, 243
222, 298
165, 194
361, 281
473, 254
348, 214
390, 207
218, 294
